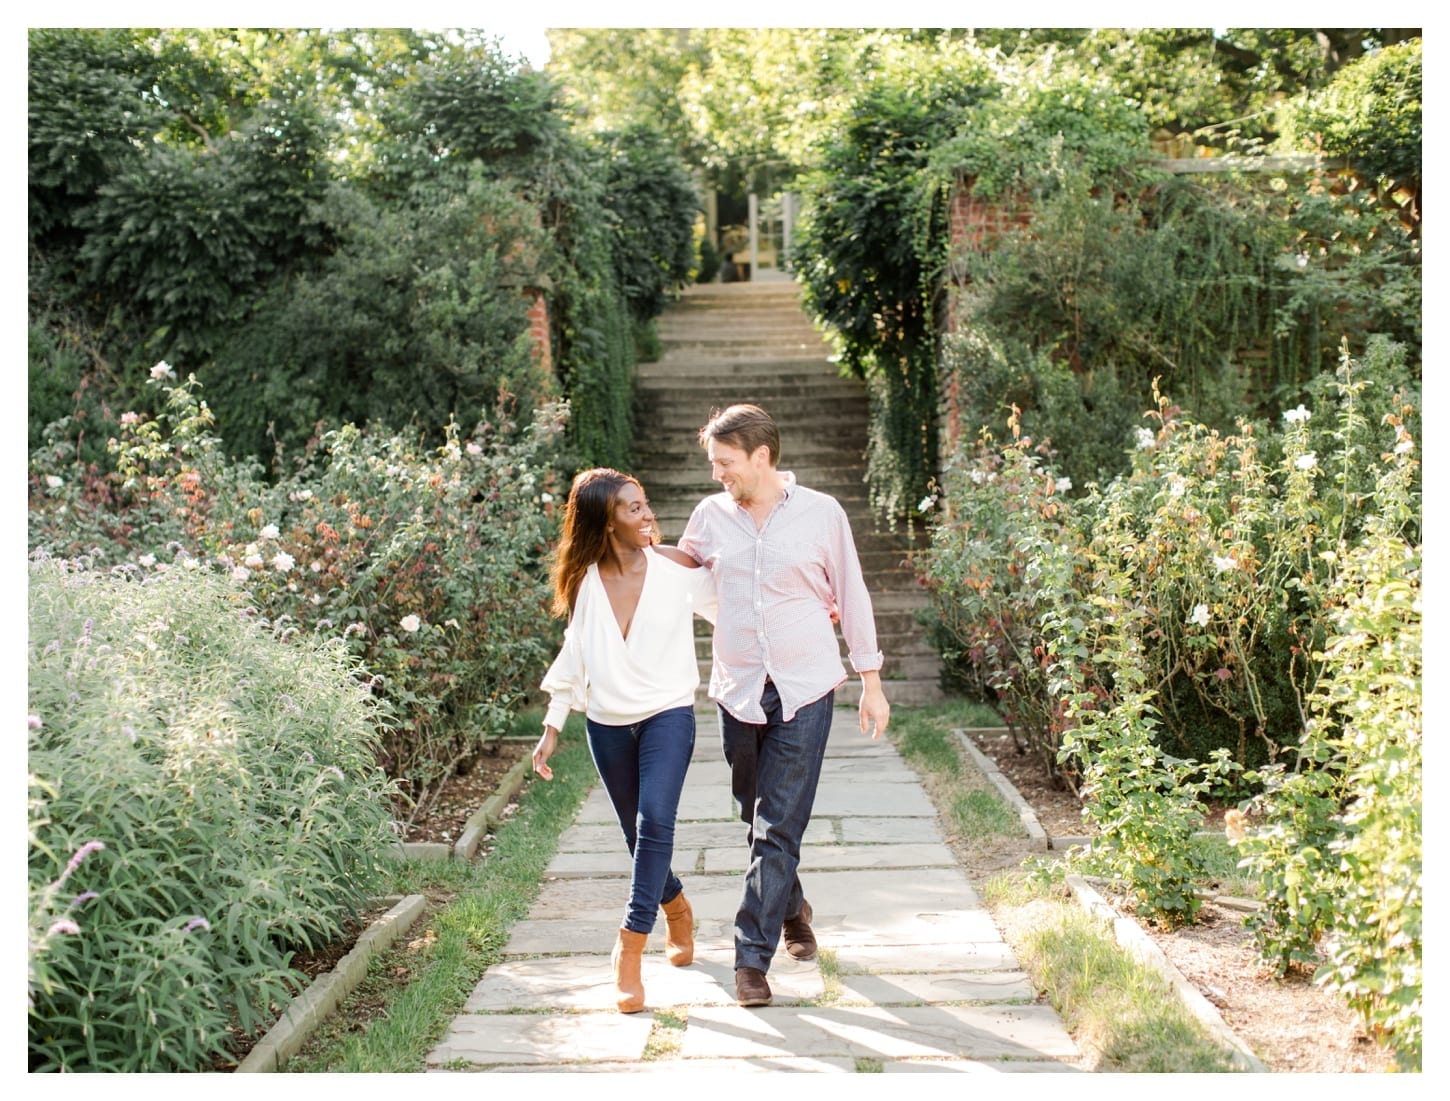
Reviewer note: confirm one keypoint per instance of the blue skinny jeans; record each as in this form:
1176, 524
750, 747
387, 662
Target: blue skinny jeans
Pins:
643, 767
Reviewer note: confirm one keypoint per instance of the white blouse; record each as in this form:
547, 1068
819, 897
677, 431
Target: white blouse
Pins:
618, 681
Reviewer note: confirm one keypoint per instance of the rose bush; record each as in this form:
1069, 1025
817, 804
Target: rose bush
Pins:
1237, 616
426, 563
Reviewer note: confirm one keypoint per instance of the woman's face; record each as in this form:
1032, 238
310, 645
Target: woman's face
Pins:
633, 521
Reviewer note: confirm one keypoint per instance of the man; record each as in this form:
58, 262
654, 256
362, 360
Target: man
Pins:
783, 562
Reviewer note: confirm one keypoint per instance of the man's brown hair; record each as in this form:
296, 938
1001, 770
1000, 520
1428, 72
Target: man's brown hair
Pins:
744, 426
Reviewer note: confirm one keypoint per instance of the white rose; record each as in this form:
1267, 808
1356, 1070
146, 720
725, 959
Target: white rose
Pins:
411, 623
270, 532
283, 561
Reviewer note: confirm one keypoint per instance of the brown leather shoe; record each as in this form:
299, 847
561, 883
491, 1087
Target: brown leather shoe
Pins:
751, 987
800, 942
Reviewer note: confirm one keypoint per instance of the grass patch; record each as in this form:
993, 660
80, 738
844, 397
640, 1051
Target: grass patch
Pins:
830, 971
981, 811
423, 984
1222, 872
667, 1035
868, 1066
971, 806
1121, 1012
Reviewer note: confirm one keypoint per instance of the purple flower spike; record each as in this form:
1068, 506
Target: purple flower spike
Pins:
62, 925
81, 853
84, 896
197, 923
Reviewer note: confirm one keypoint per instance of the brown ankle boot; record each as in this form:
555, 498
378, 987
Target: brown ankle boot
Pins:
679, 930
628, 987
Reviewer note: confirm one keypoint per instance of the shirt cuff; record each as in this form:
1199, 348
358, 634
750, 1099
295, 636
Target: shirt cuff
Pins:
557, 713
867, 663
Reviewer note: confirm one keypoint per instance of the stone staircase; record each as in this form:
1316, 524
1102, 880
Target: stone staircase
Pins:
752, 342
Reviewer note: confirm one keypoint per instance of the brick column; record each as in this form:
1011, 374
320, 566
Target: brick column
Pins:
539, 328
974, 224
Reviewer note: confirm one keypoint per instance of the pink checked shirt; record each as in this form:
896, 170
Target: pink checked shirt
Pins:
776, 587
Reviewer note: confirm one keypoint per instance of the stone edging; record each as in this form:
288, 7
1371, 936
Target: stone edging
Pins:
1025, 814
1130, 935
490, 815
303, 1015
487, 817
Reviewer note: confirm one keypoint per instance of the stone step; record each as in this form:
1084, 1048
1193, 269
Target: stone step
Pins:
820, 447
729, 343
805, 405
788, 362
765, 385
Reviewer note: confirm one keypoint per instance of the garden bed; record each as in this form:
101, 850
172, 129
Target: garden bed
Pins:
1291, 1024
447, 814
334, 964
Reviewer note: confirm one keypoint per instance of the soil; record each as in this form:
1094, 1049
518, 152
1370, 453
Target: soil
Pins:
1291, 1024
444, 816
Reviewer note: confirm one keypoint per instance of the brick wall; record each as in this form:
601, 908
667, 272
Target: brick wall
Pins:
974, 225
539, 329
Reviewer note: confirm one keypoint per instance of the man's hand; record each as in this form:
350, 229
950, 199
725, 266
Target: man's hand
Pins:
544, 750
875, 711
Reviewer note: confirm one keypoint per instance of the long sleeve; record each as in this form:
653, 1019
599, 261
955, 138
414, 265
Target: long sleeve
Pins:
704, 601
858, 618
566, 682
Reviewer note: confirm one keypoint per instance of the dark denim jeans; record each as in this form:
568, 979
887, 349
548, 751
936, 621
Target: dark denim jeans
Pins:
774, 769
643, 767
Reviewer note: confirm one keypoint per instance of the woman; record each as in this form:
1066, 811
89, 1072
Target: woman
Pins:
628, 662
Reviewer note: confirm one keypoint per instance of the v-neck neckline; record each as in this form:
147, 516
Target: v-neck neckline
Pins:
626, 632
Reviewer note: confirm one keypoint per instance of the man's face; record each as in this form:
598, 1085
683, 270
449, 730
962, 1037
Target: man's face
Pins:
740, 474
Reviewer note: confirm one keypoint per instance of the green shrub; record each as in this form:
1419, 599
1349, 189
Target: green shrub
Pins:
1337, 839
1245, 599
1005, 548
1079, 419
1371, 113
652, 203
204, 789
415, 316
426, 563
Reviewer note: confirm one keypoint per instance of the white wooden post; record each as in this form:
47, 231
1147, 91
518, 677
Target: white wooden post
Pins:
754, 236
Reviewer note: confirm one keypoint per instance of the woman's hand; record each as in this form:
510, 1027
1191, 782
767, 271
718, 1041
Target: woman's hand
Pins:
548, 742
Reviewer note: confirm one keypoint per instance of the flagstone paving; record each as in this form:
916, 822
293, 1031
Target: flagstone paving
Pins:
913, 976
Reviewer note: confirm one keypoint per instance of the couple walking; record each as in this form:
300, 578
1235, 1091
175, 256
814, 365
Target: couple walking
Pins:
771, 564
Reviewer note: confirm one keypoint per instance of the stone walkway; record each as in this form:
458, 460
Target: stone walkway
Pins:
912, 975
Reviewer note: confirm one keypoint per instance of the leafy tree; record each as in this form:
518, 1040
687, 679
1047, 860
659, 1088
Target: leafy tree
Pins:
1372, 114
870, 253
735, 100
417, 315
653, 205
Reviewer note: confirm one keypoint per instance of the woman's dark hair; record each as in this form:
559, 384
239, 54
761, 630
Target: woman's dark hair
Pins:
585, 539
